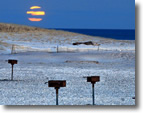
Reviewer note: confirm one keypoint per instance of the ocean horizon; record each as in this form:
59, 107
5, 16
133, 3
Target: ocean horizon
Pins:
118, 34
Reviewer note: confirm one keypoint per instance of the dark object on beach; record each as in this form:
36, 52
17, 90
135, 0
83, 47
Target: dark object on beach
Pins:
57, 84
4, 80
89, 43
93, 80
12, 62
122, 99
77, 43
86, 43
133, 97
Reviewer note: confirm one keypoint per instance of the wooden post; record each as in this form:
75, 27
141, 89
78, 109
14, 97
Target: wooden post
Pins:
12, 72
98, 46
57, 49
57, 89
93, 93
93, 80
13, 49
56, 84
12, 62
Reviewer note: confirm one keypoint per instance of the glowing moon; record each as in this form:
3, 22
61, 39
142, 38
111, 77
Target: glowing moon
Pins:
36, 14
35, 19
35, 7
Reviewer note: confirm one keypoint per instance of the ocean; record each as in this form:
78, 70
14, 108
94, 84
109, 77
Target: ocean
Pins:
106, 33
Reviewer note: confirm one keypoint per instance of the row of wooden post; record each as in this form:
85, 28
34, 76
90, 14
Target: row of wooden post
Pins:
13, 49
61, 83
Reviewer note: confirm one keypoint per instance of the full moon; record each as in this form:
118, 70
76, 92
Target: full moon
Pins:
35, 13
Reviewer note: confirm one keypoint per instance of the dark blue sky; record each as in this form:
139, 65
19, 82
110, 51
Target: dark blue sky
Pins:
97, 14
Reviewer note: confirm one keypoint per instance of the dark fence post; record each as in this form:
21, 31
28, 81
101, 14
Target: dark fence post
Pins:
57, 84
93, 80
12, 73
93, 93
12, 62
57, 91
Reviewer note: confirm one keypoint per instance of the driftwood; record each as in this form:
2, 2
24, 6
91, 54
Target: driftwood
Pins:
86, 43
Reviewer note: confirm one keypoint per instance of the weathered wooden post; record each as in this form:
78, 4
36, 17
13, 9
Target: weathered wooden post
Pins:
57, 84
93, 80
98, 46
12, 62
57, 49
13, 49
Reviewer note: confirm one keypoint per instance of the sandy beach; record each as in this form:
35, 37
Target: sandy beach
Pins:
39, 61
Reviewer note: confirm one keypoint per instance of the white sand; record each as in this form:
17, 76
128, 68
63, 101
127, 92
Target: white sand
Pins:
116, 68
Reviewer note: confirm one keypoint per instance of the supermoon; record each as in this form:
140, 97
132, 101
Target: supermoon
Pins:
35, 7
35, 19
36, 14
